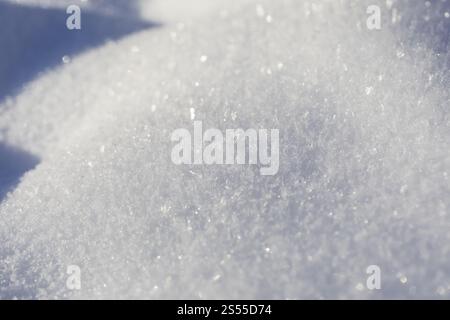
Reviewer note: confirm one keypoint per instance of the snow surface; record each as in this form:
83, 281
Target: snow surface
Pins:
364, 119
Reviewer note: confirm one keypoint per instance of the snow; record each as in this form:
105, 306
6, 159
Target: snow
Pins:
364, 154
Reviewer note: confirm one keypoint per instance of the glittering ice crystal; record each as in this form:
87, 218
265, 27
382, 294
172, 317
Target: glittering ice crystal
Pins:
364, 120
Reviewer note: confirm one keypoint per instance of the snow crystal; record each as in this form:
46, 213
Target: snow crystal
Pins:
364, 120
66, 59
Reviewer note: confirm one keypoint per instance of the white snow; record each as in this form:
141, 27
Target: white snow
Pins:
364, 158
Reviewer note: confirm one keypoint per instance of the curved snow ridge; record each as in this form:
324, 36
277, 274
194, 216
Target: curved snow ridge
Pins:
364, 164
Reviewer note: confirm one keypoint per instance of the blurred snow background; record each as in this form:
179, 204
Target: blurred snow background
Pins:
85, 170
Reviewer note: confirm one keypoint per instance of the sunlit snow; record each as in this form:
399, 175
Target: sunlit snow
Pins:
364, 177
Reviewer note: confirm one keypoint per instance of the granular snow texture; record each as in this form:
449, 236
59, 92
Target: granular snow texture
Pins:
364, 179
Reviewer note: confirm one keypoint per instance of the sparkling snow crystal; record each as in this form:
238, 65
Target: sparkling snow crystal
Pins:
364, 177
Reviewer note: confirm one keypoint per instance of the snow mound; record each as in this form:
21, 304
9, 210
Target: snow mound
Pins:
364, 160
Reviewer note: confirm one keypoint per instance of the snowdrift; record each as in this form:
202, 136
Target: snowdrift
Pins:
364, 159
